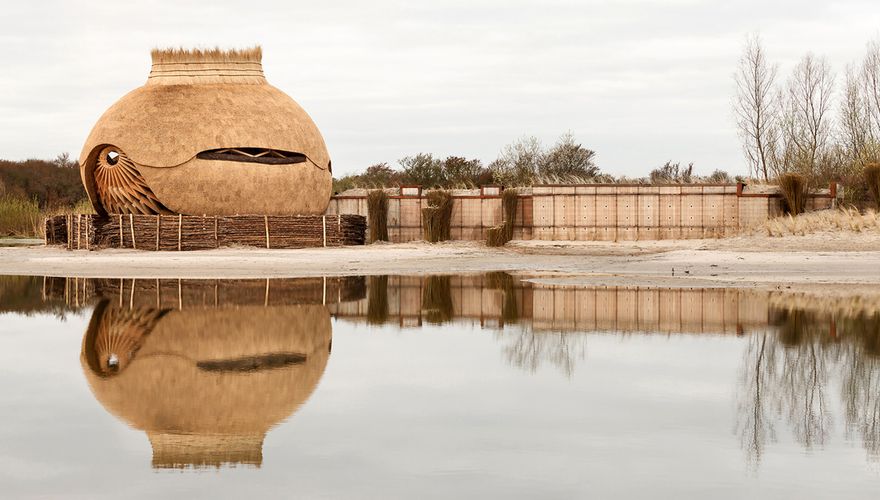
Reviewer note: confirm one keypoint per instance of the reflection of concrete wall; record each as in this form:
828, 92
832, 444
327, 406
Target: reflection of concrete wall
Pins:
609, 212
568, 308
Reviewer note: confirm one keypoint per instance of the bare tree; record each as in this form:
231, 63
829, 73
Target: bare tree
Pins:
871, 85
519, 162
807, 118
756, 108
855, 117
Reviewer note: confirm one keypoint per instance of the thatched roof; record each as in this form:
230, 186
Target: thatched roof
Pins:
199, 376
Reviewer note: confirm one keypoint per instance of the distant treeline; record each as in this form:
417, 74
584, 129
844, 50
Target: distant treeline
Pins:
524, 162
50, 183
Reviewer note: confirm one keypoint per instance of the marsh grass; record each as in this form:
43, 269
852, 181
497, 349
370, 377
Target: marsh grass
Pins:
822, 221
20, 217
23, 218
794, 191
377, 215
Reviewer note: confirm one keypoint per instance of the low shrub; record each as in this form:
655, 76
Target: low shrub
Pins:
872, 179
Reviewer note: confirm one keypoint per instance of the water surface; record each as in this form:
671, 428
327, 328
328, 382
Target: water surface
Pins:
437, 387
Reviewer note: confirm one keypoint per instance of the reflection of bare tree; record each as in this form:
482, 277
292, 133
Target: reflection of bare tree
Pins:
860, 383
804, 377
755, 398
786, 375
530, 349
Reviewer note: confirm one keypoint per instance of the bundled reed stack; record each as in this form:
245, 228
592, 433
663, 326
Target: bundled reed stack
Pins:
499, 235
377, 211
437, 216
794, 192
187, 232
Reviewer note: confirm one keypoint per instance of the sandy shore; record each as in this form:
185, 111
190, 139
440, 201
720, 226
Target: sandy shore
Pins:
849, 263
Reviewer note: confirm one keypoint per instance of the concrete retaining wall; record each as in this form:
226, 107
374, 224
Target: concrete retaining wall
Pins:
606, 212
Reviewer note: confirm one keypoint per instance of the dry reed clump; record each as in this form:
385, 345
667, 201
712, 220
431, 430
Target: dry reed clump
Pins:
437, 299
377, 213
437, 216
848, 219
184, 55
872, 179
498, 236
377, 300
794, 192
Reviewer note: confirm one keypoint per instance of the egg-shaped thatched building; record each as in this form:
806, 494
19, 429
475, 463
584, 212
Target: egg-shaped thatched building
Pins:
205, 384
206, 135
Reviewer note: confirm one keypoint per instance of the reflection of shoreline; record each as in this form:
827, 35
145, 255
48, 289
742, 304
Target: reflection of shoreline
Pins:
180, 293
493, 301
802, 353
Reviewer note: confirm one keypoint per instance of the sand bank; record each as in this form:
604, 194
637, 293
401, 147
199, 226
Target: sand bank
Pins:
816, 261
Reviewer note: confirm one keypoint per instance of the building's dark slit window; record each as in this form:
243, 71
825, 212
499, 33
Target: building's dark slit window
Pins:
253, 155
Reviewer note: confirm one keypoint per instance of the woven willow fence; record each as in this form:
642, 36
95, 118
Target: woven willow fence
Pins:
188, 232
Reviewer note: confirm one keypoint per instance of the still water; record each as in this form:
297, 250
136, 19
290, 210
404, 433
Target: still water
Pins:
433, 387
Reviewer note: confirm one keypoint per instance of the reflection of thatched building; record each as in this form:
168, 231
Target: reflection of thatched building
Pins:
208, 135
205, 383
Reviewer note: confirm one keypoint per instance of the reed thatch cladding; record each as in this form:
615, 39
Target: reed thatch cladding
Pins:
208, 135
205, 384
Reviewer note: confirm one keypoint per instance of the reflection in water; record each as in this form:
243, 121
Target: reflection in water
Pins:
169, 356
788, 372
206, 382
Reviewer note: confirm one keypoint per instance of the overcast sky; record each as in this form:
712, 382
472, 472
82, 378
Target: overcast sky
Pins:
640, 82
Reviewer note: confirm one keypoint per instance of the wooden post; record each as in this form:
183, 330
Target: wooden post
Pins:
120, 231
131, 224
324, 226
179, 232
266, 220
216, 240
78, 229
158, 232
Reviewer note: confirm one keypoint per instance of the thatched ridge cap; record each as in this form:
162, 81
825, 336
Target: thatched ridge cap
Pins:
193, 55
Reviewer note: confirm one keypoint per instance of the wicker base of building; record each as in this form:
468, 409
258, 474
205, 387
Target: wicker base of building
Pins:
190, 232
